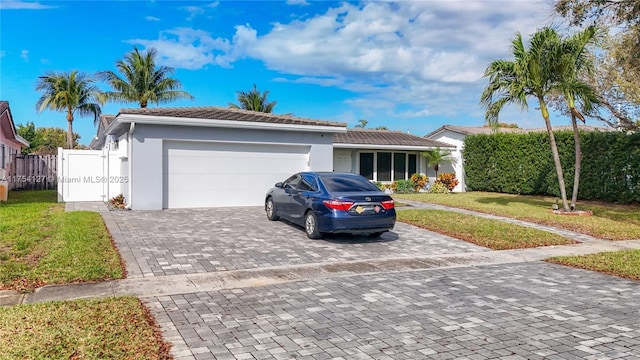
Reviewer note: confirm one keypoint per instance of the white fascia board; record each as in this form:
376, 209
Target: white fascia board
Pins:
179, 121
22, 140
388, 147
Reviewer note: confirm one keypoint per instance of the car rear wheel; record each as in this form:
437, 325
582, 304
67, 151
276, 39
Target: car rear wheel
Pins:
311, 225
270, 208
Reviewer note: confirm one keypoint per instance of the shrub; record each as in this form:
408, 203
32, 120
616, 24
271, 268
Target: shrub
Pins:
403, 186
419, 181
438, 188
117, 202
448, 179
380, 185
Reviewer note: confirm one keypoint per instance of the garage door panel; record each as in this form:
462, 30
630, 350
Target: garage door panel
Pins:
201, 174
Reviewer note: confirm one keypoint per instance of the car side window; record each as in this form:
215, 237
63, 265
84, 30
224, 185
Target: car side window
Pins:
308, 183
292, 182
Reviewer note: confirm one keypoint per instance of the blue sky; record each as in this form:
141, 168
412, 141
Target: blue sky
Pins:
409, 65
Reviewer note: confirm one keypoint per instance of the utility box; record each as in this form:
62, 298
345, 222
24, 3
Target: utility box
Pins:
4, 190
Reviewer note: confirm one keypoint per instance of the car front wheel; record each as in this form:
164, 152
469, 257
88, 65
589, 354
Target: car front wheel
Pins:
311, 225
270, 208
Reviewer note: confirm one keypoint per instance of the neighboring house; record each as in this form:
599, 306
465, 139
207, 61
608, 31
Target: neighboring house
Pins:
98, 141
382, 155
10, 142
455, 135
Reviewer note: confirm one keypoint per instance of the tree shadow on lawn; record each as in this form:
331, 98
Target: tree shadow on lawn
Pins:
609, 211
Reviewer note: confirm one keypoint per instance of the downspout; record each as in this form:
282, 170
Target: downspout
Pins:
132, 127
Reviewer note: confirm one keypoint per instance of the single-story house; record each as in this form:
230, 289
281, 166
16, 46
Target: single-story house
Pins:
215, 156
10, 142
455, 135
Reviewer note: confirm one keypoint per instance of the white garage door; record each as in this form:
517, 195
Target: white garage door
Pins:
207, 174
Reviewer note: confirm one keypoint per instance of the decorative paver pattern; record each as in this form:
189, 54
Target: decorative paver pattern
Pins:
412, 294
521, 311
173, 242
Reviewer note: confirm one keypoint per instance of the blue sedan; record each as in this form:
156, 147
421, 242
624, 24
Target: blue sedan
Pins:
329, 202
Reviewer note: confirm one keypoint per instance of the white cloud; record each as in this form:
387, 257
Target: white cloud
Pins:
23, 5
297, 2
152, 18
406, 58
24, 55
195, 11
187, 48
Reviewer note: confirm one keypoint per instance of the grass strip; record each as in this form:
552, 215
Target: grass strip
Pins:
609, 221
42, 244
493, 234
113, 328
623, 263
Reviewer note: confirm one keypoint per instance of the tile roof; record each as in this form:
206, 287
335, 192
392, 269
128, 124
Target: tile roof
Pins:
98, 141
383, 137
223, 113
475, 130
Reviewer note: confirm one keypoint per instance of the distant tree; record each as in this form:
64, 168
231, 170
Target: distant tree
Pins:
254, 100
382, 127
44, 140
141, 81
362, 123
617, 64
436, 157
72, 93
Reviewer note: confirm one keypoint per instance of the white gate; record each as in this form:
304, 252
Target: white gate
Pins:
82, 175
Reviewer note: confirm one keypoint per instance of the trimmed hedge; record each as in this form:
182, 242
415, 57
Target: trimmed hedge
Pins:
523, 164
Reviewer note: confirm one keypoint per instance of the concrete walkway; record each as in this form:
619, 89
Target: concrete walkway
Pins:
148, 287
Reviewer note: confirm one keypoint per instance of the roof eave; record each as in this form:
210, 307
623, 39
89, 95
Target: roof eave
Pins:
218, 123
391, 147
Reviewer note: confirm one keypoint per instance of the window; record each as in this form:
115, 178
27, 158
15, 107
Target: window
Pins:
2, 158
384, 166
399, 166
309, 183
341, 183
413, 160
366, 165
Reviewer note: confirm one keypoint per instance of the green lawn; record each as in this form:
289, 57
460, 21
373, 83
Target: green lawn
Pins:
609, 221
494, 234
41, 244
625, 263
114, 328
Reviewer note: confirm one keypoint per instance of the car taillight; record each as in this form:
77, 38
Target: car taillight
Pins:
338, 205
389, 204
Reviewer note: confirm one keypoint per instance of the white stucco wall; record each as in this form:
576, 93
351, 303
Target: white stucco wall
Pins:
146, 153
457, 140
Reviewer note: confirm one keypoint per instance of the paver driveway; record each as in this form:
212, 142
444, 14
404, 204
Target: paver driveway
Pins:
189, 241
528, 310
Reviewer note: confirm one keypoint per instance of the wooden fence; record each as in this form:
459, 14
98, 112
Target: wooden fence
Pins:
30, 172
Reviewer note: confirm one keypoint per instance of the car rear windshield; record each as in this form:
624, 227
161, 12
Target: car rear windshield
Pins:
336, 183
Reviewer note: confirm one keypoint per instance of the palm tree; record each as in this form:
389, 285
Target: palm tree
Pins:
532, 73
142, 81
254, 100
362, 123
72, 93
436, 157
574, 60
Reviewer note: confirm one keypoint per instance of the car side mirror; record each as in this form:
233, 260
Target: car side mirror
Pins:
279, 185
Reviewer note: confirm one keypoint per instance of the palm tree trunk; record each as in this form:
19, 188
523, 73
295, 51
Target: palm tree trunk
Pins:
556, 155
69, 129
576, 178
